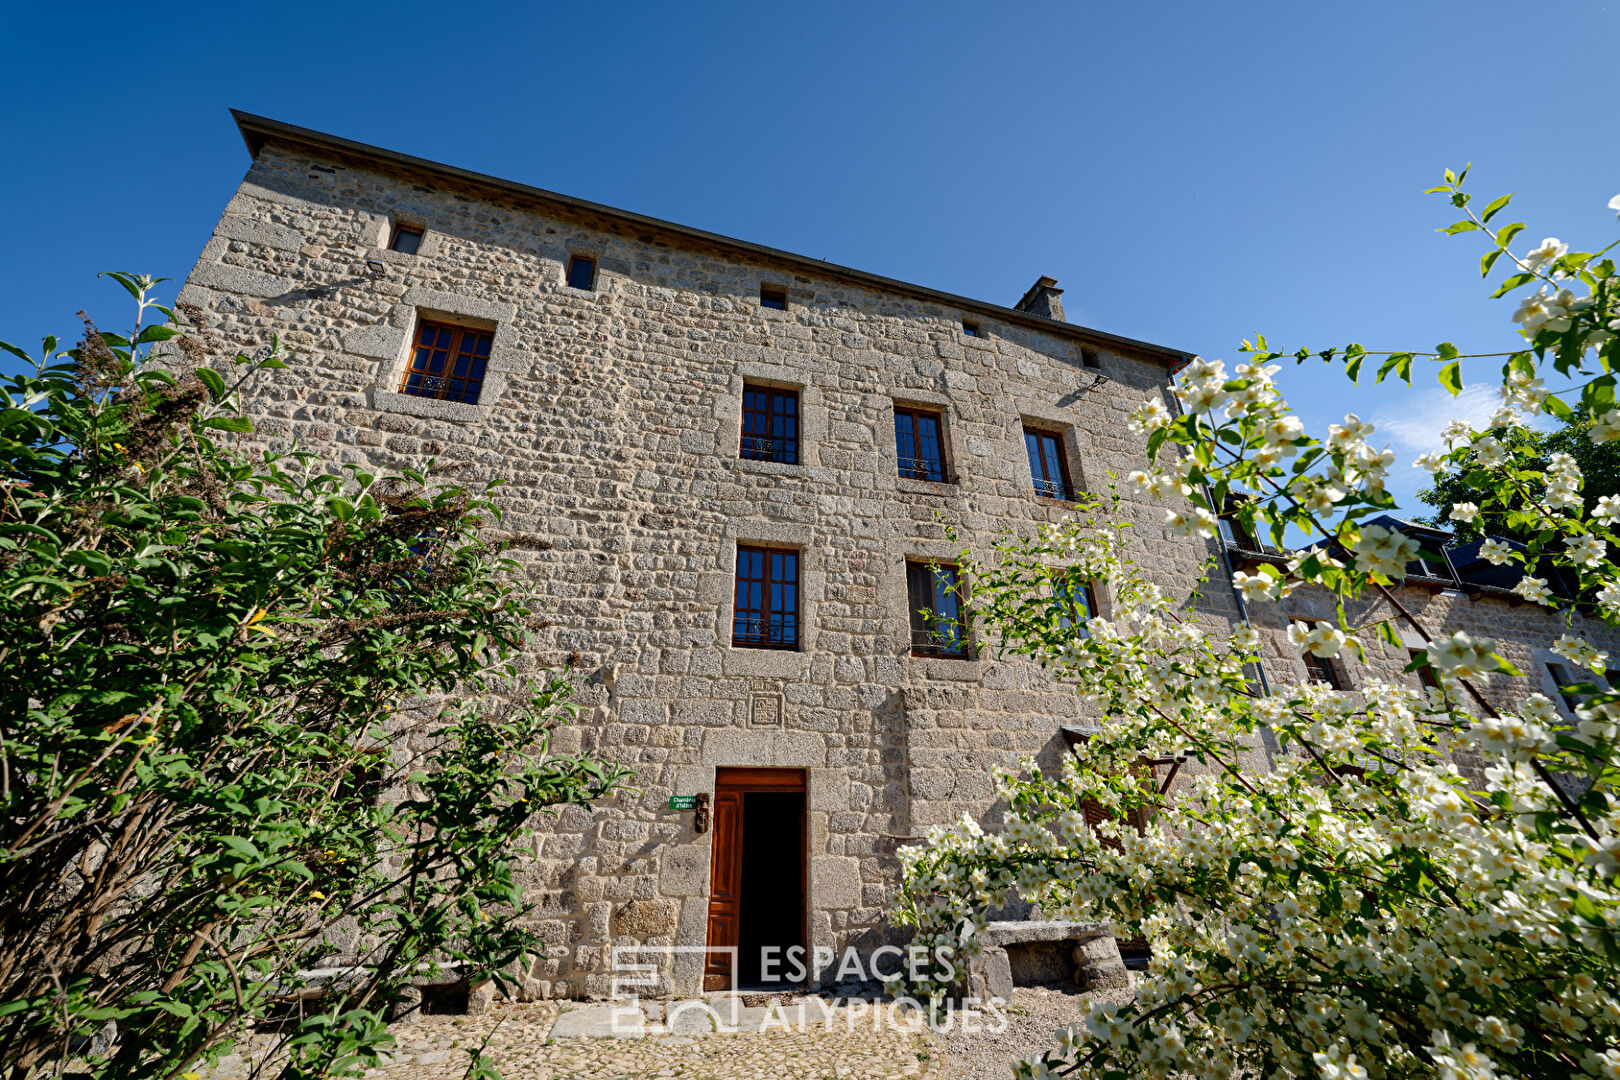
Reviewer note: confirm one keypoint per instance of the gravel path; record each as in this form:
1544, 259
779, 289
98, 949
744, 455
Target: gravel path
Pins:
1036, 1012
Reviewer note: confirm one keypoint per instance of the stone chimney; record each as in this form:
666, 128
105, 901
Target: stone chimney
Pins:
1044, 299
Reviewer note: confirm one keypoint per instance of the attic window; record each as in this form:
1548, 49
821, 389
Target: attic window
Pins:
407, 239
773, 296
1088, 358
970, 328
581, 272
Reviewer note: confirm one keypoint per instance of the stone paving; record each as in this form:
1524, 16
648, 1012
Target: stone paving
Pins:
718, 1038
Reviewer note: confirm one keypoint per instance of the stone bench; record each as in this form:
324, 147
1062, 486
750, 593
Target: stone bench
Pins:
1027, 953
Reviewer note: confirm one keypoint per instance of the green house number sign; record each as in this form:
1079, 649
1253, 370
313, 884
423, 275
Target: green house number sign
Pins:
683, 802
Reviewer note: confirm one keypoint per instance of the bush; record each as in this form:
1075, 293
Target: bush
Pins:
257, 720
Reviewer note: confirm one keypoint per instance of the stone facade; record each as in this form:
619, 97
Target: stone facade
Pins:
613, 416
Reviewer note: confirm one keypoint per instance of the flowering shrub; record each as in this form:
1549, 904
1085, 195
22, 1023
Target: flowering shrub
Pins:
1361, 909
219, 771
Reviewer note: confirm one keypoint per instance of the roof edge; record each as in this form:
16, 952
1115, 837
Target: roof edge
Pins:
257, 131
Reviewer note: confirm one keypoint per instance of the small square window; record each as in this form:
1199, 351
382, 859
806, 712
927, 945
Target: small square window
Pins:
581, 272
447, 362
1088, 358
971, 329
773, 296
406, 239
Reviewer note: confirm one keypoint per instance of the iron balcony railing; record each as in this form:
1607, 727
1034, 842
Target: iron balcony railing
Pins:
916, 468
769, 448
1053, 489
944, 642
774, 632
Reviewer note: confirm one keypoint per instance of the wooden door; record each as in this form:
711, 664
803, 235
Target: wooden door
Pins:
725, 863
725, 887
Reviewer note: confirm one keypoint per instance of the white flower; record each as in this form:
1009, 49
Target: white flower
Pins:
1282, 431
1457, 431
1580, 651
1535, 590
1433, 462
1461, 655
1538, 310
1614, 204
1606, 428
1464, 512
1490, 452
1607, 510
1384, 551
1196, 521
1345, 436
1323, 639
1549, 251
1252, 586
1495, 552
1587, 551
1149, 416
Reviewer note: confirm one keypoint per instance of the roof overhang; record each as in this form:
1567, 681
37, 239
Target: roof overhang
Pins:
259, 131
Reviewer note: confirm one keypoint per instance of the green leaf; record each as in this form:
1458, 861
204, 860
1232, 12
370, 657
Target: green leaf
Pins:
1400, 364
1496, 206
239, 424
156, 333
1352, 366
1504, 666
1556, 406
1458, 227
1451, 377
1488, 260
1508, 232
13, 350
1511, 283
126, 280
213, 380
1446, 351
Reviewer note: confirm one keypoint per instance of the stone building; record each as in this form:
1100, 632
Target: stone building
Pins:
744, 459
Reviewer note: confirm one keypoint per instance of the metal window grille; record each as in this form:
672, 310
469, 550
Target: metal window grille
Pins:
447, 362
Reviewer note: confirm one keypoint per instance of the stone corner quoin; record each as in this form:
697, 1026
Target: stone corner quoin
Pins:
613, 413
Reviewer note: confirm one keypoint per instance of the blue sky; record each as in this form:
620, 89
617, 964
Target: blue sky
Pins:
1191, 172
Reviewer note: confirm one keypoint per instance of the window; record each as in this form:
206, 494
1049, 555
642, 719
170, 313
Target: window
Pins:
407, 239
447, 362
1561, 678
770, 424
971, 329
766, 615
1088, 358
919, 445
1322, 669
773, 296
1079, 603
936, 628
581, 272
1047, 464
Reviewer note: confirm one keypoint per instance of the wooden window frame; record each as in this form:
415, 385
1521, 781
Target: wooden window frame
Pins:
788, 452
406, 230
924, 638
765, 613
419, 379
568, 272
916, 470
1571, 701
1043, 483
774, 297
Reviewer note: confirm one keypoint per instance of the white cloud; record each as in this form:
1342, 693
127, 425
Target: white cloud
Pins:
1416, 423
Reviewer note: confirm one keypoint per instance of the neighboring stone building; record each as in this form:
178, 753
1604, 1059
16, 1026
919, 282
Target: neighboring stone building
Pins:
744, 460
